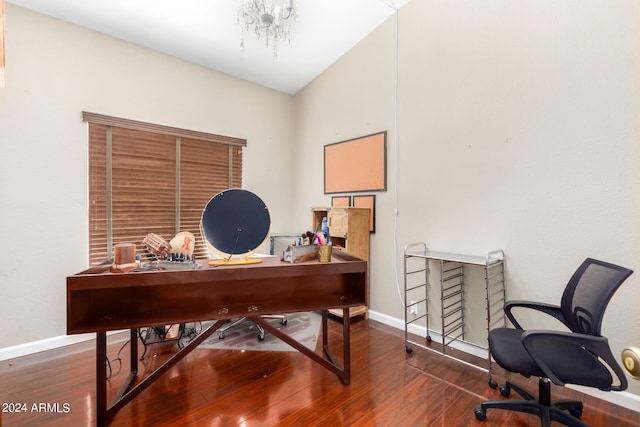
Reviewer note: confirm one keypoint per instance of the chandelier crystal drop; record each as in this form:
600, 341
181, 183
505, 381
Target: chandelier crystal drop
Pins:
271, 19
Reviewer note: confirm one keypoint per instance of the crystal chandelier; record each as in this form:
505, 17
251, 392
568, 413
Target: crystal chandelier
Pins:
272, 19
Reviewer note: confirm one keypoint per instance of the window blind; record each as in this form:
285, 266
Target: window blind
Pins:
146, 178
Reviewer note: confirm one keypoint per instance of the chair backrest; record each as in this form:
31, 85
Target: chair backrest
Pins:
588, 292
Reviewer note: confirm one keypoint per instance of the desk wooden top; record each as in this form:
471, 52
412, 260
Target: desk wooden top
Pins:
108, 301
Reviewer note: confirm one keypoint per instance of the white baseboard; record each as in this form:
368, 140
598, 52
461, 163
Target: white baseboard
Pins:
28, 348
435, 335
622, 398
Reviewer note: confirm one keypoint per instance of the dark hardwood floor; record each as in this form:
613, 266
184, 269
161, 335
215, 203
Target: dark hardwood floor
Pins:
235, 388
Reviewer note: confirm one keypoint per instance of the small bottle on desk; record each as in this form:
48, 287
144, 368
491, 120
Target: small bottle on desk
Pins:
325, 229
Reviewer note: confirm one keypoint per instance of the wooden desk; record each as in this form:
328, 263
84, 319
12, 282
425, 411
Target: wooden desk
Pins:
104, 302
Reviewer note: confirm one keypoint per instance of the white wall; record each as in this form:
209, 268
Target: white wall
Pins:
56, 70
518, 129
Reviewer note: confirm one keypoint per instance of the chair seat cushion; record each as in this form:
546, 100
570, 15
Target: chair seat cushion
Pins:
569, 362
508, 352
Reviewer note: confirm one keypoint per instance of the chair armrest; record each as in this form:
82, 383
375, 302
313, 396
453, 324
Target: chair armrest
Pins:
552, 310
598, 346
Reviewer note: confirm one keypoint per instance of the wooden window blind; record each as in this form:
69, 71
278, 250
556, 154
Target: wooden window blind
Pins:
146, 178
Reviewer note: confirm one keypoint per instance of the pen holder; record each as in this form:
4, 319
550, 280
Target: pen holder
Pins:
324, 253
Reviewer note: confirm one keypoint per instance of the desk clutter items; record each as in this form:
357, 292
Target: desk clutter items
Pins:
308, 247
299, 253
157, 245
176, 254
183, 244
324, 253
125, 258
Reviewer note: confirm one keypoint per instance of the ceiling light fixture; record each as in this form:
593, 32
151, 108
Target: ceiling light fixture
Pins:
272, 20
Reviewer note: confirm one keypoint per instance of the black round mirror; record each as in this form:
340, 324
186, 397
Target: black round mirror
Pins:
235, 222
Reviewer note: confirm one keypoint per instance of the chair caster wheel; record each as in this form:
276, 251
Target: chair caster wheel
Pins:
480, 413
408, 349
428, 338
221, 335
283, 322
505, 390
576, 412
260, 337
493, 384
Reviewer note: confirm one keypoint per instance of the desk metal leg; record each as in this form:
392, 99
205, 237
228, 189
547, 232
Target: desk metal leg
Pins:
134, 350
133, 368
101, 379
102, 410
325, 329
346, 340
126, 393
343, 372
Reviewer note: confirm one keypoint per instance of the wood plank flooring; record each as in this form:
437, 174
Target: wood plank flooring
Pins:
235, 388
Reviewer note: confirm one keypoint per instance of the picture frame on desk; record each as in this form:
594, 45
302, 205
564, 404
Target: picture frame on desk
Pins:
367, 201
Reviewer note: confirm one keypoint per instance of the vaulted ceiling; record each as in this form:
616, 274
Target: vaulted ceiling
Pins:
207, 32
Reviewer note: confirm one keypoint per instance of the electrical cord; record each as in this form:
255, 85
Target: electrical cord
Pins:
186, 333
116, 359
235, 246
396, 152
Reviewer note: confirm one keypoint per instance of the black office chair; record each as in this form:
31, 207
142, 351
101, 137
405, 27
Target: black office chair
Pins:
581, 357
